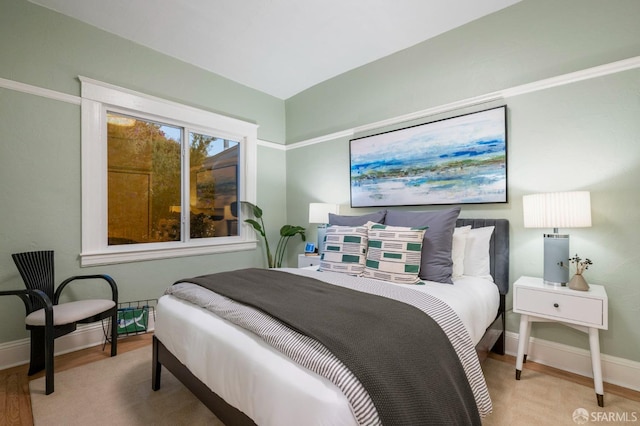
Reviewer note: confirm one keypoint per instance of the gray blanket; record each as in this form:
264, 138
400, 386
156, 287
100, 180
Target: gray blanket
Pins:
401, 356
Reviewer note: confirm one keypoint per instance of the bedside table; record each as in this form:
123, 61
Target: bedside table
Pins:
586, 311
305, 261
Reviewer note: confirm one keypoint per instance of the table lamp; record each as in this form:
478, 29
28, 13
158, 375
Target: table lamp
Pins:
557, 210
319, 213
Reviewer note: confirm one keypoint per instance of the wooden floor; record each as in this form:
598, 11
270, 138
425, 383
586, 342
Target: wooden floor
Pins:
15, 403
565, 375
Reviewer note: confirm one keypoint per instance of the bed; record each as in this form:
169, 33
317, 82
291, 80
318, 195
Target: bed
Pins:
244, 380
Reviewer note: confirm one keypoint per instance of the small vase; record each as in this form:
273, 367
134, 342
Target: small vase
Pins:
578, 283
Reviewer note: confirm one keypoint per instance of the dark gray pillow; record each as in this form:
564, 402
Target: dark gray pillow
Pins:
341, 220
436, 264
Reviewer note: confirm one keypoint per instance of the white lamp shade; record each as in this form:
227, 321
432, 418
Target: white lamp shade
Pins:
557, 210
319, 212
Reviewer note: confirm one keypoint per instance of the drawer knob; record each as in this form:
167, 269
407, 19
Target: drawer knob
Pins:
555, 305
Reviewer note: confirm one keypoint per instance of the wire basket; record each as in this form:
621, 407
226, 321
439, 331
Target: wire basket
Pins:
133, 318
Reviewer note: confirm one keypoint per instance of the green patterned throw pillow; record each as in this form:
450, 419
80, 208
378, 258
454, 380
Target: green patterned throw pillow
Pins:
393, 253
344, 249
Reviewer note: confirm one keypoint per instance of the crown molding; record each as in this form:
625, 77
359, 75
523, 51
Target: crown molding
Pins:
547, 83
39, 91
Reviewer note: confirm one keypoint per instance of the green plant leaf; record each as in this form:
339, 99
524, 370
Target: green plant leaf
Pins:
286, 232
255, 210
291, 230
256, 226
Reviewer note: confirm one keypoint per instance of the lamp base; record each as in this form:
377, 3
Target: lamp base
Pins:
556, 259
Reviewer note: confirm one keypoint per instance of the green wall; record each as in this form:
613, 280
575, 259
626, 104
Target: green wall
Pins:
581, 136
40, 192
529, 41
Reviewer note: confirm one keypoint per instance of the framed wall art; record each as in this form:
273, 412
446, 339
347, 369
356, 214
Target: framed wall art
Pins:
458, 160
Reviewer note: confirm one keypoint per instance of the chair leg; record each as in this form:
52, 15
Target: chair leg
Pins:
49, 339
42, 347
114, 334
37, 359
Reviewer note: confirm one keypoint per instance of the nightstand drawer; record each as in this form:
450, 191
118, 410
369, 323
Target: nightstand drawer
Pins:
561, 307
305, 261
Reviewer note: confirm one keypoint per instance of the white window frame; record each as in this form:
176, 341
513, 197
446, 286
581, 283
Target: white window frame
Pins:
97, 99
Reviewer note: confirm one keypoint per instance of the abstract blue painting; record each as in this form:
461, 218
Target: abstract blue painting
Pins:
458, 160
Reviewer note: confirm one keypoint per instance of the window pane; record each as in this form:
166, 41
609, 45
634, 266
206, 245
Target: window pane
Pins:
213, 188
143, 161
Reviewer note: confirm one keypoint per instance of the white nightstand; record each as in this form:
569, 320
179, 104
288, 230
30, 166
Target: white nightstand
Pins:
305, 261
586, 311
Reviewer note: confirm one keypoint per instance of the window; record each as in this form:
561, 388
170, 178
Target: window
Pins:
161, 179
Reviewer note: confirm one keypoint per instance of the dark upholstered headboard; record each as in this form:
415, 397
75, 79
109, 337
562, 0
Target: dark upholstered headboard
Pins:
498, 249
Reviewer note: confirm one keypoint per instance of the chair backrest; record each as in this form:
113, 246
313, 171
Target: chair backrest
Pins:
36, 270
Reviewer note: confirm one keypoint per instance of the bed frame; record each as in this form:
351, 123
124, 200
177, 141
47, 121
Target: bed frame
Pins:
493, 339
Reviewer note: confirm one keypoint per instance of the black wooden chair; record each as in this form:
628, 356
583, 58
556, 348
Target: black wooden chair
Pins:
48, 319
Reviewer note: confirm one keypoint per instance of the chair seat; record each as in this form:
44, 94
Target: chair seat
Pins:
67, 313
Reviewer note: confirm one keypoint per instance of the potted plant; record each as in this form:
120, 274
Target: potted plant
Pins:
578, 282
286, 233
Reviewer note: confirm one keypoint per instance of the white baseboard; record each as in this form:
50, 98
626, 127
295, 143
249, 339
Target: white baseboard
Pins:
617, 371
17, 352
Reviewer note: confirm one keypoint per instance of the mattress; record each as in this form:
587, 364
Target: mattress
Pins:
266, 385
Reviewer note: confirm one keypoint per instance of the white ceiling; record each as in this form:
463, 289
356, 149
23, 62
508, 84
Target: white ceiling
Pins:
280, 47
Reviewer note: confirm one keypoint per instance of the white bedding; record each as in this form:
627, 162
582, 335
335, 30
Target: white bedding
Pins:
265, 384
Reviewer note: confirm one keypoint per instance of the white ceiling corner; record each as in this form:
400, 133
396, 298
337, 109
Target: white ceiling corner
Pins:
280, 47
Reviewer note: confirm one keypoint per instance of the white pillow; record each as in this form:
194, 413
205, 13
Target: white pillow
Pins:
457, 250
476, 253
